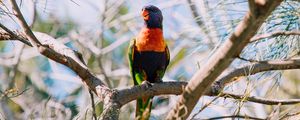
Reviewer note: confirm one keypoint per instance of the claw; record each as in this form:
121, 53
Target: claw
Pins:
148, 84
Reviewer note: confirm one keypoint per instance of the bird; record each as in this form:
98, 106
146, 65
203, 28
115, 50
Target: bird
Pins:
148, 56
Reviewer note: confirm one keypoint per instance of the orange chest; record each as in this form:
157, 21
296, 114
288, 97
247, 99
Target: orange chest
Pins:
150, 40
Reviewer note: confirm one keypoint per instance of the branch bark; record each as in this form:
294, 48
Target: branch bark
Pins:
219, 61
129, 94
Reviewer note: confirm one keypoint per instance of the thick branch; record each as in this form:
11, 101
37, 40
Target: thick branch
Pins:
28, 33
58, 52
274, 34
219, 61
126, 95
257, 7
252, 6
129, 94
6, 36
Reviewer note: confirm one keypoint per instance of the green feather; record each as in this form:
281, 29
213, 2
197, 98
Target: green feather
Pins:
143, 108
138, 78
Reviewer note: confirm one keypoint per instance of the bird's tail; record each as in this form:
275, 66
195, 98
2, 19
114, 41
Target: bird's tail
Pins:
143, 108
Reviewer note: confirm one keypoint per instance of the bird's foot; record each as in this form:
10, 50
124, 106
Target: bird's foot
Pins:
147, 83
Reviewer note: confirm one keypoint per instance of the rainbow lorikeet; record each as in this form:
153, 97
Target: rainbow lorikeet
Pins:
148, 56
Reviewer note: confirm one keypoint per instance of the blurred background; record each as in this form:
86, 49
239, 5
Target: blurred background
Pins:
34, 87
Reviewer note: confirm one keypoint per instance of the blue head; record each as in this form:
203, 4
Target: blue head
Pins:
152, 16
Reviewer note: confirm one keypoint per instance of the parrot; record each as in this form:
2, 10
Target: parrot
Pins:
148, 56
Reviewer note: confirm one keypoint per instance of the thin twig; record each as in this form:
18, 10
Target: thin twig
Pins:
261, 100
13, 72
195, 14
12, 35
100, 45
256, 68
273, 34
93, 104
34, 14
205, 106
19, 93
29, 34
274, 115
11, 91
249, 60
289, 115
235, 116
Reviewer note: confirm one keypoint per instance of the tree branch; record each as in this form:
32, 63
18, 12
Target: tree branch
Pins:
234, 116
12, 36
262, 100
195, 14
252, 6
245, 59
255, 68
274, 34
289, 115
62, 54
126, 95
220, 60
20, 19
129, 94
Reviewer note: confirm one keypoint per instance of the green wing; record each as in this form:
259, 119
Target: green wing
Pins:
143, 105
130, 58
136, 76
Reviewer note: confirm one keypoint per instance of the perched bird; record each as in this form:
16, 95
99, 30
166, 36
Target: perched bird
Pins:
148, 56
